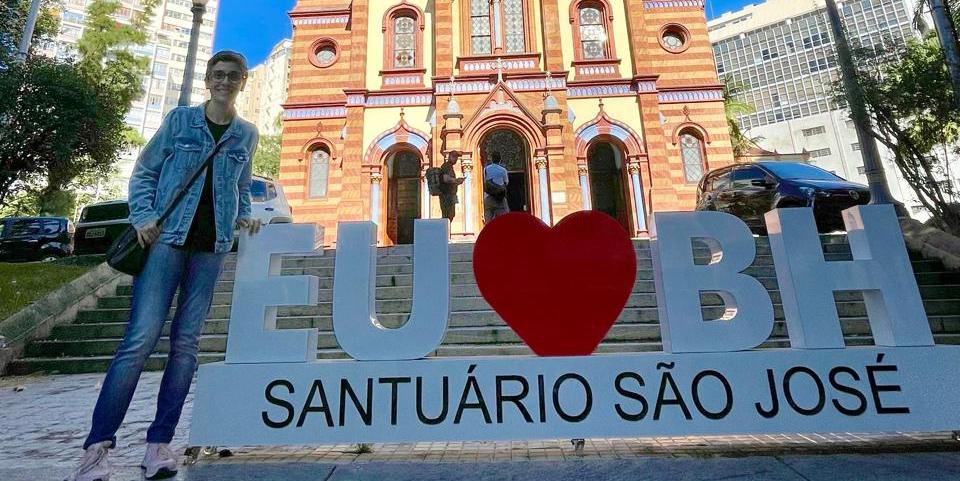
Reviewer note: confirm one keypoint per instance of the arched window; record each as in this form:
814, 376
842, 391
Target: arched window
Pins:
319, 157
403, 47
404, 41
692, 153
497, 27
593, 29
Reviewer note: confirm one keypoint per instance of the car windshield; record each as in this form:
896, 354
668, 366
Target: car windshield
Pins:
100, 213
792, 171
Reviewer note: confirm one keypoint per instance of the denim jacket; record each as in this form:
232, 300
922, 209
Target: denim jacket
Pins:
167, 162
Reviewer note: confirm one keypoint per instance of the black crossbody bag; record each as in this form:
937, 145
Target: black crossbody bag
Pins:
126, 254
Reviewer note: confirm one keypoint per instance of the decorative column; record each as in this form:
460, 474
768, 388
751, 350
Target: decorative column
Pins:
541, 163
583, 173
375, 179
467, 165
640, 209
497, 26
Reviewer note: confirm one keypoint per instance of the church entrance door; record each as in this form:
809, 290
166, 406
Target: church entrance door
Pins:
403, 174
608, 191
515, 153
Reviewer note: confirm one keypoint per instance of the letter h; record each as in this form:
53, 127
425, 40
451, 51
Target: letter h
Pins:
880, 269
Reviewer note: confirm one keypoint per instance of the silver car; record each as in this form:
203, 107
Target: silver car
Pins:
269, 204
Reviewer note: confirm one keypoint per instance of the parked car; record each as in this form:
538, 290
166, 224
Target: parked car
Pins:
268, 202
26, 239
99, 225
749, 191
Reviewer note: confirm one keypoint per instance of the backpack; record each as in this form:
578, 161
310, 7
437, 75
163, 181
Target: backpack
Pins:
495, 190
434, 176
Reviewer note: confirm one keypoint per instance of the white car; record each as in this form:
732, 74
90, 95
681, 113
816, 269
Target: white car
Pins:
269, 204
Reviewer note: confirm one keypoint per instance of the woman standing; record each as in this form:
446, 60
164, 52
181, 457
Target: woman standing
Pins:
186, 252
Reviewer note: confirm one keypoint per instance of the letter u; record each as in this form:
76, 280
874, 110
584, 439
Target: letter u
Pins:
355, 322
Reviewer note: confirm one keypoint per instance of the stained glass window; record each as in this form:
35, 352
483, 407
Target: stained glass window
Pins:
513, 26
691, 150
404, 42
319, 171
673, 40
593, 36
480, 27
326, 54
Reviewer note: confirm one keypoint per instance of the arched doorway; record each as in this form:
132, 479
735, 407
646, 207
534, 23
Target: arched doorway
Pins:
515, 153
403, 200
608, 183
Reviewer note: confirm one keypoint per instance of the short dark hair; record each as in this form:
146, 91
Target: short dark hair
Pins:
228, 56
495, 158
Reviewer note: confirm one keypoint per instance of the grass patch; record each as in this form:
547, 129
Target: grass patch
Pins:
24, 284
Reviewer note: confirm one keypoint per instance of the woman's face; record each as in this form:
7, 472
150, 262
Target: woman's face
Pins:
225, 80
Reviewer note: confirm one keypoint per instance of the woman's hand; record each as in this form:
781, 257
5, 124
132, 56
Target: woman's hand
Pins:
251, 224
148, 234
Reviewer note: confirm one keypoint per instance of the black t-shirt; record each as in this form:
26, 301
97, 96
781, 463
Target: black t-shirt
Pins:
203, 230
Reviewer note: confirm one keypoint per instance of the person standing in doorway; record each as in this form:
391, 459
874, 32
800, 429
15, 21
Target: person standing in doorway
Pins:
449, 185
495, 181
186, 252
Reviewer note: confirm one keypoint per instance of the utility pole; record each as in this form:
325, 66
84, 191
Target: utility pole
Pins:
27, 36
876, 178
948, 42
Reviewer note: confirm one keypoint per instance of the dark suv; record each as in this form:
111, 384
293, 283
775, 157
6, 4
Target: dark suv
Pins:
99, 225
749, 191
26, 239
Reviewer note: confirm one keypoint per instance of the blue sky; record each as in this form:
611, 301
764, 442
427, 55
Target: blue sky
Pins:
253, 27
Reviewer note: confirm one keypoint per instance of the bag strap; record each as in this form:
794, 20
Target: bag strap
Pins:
186, 187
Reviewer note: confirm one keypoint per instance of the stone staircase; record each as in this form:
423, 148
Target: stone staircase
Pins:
88, 344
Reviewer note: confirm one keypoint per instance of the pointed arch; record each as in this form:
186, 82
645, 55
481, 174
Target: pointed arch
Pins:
687, 126
605, 127
401, 134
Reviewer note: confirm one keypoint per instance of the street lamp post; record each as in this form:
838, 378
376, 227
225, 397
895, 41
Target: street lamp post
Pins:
27, 36
948, 42
876, 178
186, 89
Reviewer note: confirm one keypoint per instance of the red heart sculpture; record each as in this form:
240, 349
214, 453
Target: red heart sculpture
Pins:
559, 289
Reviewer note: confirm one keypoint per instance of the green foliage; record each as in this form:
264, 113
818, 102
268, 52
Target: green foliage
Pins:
24, 284
910, 99
13, 17
266, 161
734, 107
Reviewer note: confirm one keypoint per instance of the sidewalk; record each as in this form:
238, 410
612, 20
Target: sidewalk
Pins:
43, 426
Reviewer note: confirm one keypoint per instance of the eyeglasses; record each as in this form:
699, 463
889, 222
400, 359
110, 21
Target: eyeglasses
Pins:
234, 77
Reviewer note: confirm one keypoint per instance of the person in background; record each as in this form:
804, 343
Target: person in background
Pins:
186, 253
495, 181
449, 184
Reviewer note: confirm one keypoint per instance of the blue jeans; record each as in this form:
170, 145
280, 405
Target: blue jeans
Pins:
167, 268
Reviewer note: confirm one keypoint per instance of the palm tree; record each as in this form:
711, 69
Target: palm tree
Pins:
735, 107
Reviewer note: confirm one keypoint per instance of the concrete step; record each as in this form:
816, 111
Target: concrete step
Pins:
944, 324
640, 307
468, 290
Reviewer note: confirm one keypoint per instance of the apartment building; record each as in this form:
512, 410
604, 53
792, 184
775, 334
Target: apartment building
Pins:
262, 100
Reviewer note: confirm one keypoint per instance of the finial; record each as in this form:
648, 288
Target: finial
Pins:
401, 114
601, 104
499, 69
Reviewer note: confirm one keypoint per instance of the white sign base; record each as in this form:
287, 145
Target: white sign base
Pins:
527, 398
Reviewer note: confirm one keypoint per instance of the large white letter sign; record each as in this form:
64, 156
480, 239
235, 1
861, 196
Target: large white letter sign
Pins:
354, 293
259, 289
748, 320
880, 268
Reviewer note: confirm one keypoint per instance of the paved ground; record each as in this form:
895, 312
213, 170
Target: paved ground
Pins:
43, 421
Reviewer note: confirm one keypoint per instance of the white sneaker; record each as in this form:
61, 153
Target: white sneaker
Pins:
94, 465
159, 462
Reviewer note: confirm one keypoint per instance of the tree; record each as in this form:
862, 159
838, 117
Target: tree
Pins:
107, 62
910, 98
734, 107
13, 16
50, 116
266, 161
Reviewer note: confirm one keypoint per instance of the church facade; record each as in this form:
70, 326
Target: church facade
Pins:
612, 105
